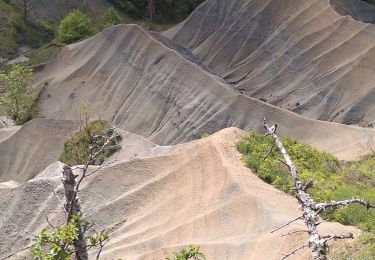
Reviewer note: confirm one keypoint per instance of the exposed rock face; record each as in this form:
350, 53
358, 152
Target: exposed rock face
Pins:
33, 147
300, 55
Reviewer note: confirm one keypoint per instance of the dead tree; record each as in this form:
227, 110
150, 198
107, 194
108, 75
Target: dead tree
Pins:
72, 187
310, 209
151, 9
26, 6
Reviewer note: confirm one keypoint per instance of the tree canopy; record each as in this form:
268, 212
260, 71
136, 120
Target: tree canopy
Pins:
75, 26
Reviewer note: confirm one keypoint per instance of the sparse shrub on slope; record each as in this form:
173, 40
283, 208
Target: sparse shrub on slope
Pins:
192, 253
75, 26
77, 148
17, 95
110, 17
60, 243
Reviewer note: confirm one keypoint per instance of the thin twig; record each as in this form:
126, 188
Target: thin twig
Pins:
287, 224
294, 251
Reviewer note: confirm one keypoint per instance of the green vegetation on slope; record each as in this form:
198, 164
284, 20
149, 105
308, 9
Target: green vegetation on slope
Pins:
164, 11
60, 243
192, 253
77, 148
333, 180
75, 26
17, 95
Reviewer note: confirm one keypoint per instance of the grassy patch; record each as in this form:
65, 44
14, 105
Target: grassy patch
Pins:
77, 148
333, 180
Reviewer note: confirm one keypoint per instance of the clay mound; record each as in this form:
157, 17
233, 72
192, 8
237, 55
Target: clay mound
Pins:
6, 132
151, 90
300, 55
33, 147
200, 193
358, 9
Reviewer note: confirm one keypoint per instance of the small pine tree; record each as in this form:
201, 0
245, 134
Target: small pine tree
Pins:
75, 26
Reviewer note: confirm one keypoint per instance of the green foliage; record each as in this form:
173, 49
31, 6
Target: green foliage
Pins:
75, 26
43, 54
59, 244
47, 26
204, 135
77, 148
362, 248
192, 253
166, 11
8, 44
17, 96
333, 180
110, 17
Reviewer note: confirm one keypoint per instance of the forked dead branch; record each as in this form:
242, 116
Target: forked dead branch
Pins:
76, 227
317, 243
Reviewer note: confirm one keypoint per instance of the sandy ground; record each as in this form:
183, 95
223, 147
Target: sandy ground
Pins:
198, 193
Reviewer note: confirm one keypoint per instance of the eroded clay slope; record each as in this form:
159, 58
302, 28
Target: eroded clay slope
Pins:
300, 55
151, 90
33, 147
199, 193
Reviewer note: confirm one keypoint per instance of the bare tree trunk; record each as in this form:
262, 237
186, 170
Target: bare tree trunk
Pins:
151, 7
72, 208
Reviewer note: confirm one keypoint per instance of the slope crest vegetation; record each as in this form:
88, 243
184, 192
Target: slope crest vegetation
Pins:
78, 148
332, 180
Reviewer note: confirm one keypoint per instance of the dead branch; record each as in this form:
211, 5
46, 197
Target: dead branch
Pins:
293, 232
72, 187
287, 224
310, 209
269, 152
343, 203
294, 251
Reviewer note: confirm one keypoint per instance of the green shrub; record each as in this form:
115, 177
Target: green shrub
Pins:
77, 148
110, 17
75, 26
17, 96
333, 180
192, 253
59, 244
362, 248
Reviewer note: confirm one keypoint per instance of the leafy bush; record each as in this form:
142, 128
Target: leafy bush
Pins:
110, 17
192, 253
59, 244
77, 148
333, 180
75, 26
17, 96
